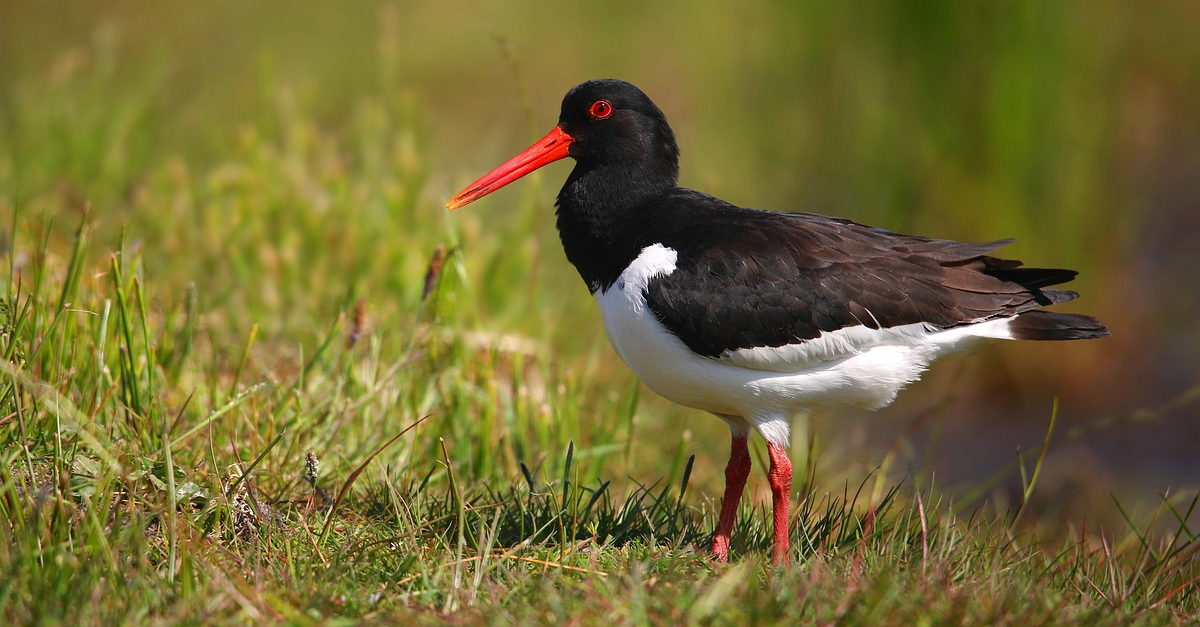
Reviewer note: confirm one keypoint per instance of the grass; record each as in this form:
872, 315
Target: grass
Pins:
266, 379
150, 476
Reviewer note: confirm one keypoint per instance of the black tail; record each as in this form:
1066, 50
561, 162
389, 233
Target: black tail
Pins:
1044, 325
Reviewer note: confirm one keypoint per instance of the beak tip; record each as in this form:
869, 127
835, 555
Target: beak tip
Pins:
550, 148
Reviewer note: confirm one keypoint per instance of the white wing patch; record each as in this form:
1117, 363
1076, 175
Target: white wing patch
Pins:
829, 346
850, 341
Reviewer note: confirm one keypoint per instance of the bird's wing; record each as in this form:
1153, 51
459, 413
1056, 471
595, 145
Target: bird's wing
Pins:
752, 279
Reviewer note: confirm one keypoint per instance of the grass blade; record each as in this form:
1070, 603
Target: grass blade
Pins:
358, 471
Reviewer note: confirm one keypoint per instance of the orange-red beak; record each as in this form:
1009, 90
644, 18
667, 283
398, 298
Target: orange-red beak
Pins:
548, 149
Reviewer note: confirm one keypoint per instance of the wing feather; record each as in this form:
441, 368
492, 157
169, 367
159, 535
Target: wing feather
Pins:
750, 279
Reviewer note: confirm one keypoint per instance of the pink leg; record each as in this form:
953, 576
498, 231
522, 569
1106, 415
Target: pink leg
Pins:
780, 478
736, 472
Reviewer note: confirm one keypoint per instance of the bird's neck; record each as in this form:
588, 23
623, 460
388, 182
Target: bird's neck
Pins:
599, 210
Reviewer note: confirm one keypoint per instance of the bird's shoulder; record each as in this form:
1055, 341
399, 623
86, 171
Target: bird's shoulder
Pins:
703, 227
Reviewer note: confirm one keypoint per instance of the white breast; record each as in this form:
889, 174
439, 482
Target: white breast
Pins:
853, 366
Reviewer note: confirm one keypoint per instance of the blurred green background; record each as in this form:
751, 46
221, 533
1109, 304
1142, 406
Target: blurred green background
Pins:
292, 157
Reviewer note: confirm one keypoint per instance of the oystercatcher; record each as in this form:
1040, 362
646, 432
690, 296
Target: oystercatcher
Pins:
755, 315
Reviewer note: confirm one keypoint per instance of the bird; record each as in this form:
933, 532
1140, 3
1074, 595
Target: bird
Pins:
755, 315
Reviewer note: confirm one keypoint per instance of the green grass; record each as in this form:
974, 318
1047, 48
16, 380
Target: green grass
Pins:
153, 473
239, 389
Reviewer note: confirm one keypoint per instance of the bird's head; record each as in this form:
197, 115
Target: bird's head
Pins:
603, 123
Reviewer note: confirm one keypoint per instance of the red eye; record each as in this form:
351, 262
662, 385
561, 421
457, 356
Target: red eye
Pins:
600, 109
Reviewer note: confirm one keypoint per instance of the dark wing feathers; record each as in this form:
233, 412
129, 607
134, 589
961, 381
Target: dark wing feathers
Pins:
1044, 325
944, 251
1032, 277
748, 278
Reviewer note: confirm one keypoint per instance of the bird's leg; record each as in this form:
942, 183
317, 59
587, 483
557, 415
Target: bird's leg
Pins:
736, 472
780, 478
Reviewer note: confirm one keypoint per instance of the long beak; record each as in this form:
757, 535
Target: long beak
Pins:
548, 149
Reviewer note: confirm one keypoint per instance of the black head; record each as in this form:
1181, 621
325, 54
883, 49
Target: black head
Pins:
625, 156
612, 130
614, 123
